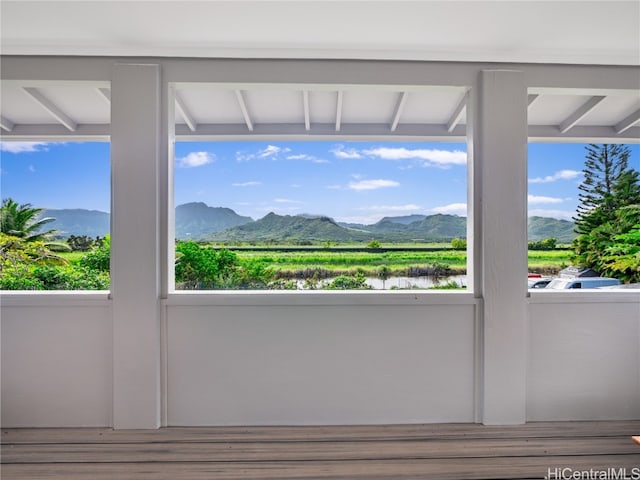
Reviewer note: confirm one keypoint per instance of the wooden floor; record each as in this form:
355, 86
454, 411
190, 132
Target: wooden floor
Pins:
442, 451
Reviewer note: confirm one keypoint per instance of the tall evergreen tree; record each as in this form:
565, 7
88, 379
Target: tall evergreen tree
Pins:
609, 202
608, 184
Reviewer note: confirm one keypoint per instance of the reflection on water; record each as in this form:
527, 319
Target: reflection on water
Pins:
415, 282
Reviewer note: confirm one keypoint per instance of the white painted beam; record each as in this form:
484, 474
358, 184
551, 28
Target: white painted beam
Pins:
627, 122
6, 124
339, 111
307, 112
55, 132
184, 111
498, 163
136, 113
243, 108
50, 107
531, 98
105, 94
457, 113
580, 113
402, 100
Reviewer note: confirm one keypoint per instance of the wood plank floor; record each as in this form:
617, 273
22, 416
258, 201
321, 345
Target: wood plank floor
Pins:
439, 451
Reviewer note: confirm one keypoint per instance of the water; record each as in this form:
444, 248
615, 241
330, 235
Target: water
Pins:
415, 282
402, 283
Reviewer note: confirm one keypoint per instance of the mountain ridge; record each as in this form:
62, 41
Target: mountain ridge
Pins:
198, 221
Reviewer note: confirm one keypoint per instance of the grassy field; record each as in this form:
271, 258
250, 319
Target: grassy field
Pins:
332, 261
397, 262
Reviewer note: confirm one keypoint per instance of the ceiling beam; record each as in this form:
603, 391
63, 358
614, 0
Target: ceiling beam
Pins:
532, 98
402, 100
105, 93
243, 108
457, 113
305, 106
184, 111
55, 132
628, 122
580, 113
51, 107
6, 124
339, 111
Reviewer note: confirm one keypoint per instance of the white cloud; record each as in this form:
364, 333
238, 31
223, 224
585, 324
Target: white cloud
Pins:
32, 168
537, 199
372, 184
559, 214
271, 151
452, 209
340, 152
561, 175
196, 159
430, 157
334, 187
307, 157
286, 200
22, 147
246, 184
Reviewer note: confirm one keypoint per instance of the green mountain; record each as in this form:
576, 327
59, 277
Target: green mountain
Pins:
77, 221
543, 227
274, 227
197, 221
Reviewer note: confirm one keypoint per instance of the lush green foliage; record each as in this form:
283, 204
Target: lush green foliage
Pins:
203, 267
613, 248
99, 257
30, 265
609, 215
459, 243
344, 282
546, 244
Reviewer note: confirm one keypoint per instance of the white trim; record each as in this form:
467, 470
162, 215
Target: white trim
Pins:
350, 298
243, 108
67, 298
338, 111
627, 122
457, 113
580, 113
402, 100
307, 112
6, 124
51, 108
184, 111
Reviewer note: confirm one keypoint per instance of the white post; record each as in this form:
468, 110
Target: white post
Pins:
499, 163
135, 259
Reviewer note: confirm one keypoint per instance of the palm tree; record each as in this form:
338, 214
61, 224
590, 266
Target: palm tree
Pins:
22, 221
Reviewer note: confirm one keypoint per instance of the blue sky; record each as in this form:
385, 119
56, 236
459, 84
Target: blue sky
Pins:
358, 182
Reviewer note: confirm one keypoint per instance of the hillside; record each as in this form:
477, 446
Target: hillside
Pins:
197, 220
544, 227
77, 221
274, 227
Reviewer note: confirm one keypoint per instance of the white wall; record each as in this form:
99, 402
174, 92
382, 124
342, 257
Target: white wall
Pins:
273, 365
56, 363
584, 357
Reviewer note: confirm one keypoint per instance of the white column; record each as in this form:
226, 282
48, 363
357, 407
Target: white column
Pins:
499, 176
135, 259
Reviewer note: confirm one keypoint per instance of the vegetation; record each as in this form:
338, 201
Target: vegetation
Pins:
546, 244
608, 216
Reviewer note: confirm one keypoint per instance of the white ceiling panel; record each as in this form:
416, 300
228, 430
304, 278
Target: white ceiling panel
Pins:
83, 104
612, 109
554, 109
275, 106
430, 106
368, 106
322, 106
210, 105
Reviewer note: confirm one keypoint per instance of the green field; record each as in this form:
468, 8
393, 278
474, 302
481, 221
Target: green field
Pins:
335, 260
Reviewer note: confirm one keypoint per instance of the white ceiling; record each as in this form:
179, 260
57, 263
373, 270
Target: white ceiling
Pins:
578, 31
